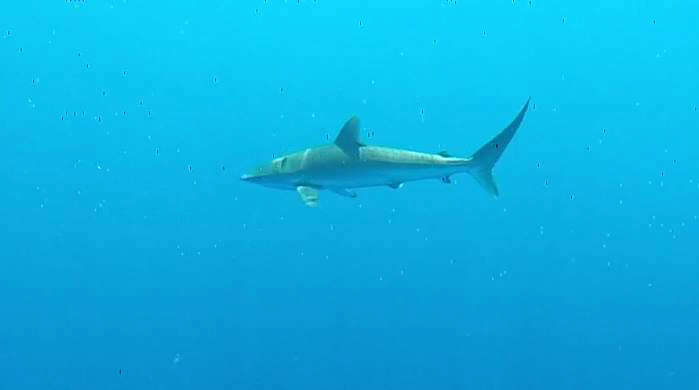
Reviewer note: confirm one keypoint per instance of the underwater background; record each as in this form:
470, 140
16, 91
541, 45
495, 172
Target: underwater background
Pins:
133, 257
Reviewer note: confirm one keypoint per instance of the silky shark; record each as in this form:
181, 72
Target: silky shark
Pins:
348, 163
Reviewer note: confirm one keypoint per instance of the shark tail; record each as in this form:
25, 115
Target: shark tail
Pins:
485, 158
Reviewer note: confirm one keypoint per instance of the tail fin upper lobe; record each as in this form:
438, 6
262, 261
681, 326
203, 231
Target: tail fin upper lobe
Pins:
486, 157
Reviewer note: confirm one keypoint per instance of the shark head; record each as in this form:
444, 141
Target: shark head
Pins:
276, 174
289, 171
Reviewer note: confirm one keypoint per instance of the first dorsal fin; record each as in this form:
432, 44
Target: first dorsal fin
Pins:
348, 139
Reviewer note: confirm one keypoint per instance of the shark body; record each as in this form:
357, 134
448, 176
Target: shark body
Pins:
347, 164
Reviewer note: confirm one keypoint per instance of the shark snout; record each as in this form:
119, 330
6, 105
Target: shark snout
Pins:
256, 179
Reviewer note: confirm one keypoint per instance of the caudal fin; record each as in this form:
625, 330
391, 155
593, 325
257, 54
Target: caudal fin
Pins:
486, 157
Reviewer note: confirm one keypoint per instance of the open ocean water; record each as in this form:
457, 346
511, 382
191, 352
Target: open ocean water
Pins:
132, 256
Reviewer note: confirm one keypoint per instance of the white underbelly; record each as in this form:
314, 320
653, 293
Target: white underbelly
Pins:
357, 177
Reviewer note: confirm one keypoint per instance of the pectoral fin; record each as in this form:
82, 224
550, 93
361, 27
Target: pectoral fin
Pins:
309, 195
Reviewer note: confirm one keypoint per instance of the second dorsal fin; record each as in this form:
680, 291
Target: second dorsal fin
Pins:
444, 153
348, 138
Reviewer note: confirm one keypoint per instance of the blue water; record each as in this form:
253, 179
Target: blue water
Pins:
133, 257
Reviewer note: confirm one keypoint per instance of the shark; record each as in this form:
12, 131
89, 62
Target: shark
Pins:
348, 164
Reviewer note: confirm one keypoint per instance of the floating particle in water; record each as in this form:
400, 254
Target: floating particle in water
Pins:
104, 93
223, 168
189, 167
434, 42
563, 19
157, 151
653, 21
87, 66
281, 90
215, 79
120, 371
361, 24
124, 73
176, 359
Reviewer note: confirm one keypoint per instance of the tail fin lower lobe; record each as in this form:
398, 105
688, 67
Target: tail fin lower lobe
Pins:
486, 157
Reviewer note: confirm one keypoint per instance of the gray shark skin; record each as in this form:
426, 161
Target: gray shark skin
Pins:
347, 164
